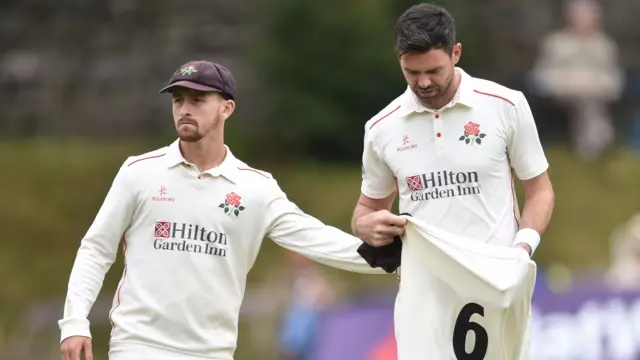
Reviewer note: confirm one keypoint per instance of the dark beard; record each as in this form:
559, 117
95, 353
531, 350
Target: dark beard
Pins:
191, 137
434, 99
197, 135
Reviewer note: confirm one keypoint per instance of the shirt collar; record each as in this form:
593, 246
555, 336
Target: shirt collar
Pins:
463, 96
228, 168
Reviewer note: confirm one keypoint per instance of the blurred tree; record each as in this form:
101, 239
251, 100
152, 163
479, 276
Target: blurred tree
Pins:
329, 67
326, 63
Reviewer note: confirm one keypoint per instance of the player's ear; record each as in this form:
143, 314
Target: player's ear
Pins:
227, 108
456, 53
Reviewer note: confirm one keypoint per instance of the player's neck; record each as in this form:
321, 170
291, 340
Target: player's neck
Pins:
446, 98
205, 154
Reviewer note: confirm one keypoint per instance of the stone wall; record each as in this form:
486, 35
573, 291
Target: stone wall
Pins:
95, 67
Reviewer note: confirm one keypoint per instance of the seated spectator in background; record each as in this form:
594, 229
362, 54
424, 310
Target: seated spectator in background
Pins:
578, 66
312, 292
624, 273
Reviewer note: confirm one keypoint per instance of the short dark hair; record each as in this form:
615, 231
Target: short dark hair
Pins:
423, 27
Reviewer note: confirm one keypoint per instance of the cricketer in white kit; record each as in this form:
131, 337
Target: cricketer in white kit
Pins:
449, 147
191, 218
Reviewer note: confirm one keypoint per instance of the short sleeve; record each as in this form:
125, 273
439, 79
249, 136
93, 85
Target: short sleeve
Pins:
378, 180
524, 148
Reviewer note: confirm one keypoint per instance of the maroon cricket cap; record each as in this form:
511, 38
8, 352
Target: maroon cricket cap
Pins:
203, 76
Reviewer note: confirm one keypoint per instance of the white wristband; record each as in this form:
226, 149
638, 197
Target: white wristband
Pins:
529, 237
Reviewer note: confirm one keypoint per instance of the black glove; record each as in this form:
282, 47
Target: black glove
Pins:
386, 257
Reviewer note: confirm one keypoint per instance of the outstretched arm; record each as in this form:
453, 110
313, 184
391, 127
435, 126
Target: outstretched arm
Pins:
294, 230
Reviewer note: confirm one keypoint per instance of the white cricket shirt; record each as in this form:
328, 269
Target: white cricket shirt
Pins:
189, 240
453, 167
461, 299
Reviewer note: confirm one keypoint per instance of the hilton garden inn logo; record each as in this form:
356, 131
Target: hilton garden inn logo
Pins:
181, 237
443, 184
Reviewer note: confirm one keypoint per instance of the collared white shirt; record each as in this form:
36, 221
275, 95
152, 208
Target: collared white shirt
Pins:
189, 240
452, 167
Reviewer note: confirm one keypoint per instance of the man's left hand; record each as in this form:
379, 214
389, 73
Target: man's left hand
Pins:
526, 247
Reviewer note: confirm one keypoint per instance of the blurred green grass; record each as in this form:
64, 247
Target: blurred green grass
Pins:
51, 190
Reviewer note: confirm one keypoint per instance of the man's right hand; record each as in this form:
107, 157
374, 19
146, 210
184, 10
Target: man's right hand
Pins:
72, 347
379, 228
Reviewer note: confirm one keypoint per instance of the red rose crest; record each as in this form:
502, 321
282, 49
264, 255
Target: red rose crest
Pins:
232, 204
472, 134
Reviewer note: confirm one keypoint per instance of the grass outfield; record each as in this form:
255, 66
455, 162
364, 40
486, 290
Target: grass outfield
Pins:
52, 190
